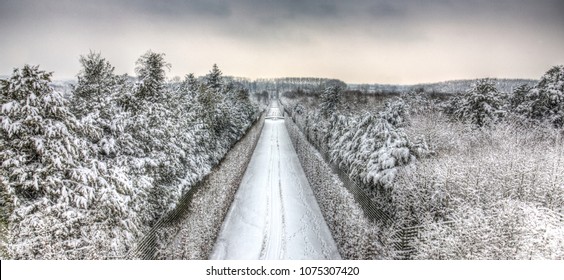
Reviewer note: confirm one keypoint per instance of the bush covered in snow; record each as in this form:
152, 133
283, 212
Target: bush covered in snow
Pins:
474, 175
86, 177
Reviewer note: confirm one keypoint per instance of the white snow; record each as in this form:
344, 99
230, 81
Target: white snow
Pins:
275, 214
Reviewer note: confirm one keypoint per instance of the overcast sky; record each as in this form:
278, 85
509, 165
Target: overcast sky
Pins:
380, 41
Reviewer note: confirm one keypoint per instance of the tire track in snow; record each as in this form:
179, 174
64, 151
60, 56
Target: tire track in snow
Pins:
274, 235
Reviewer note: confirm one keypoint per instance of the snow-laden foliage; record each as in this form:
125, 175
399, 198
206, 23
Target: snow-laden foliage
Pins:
64, 202
481, 105
370, 147
330, 99
545, 101
151, 72
512, 229
519, 96
489, 193
396, 112
457, 194
371, 150
87, 180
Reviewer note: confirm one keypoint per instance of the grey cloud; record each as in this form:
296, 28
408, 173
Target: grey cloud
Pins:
179, 8
277, 25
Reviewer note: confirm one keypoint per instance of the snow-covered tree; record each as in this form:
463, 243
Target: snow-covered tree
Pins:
519, 96
211, 97
481, 105
214, 79
190, 84
151, 71
96, 100
66, 204
372, 150
330, 99
545, 101
396, 112
96, 81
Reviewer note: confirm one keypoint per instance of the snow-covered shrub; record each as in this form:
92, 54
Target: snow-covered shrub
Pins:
512, 229
457, 195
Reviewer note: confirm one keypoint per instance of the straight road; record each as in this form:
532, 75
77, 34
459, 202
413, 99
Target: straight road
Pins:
275, 214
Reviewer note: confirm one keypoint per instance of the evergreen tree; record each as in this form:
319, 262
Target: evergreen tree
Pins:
214, 80
481, 105
330, 99
371, 149
211, 98
150, 69
96, 81
66, 204
519, 96
96, 101
545, 102
190, 83
396, 112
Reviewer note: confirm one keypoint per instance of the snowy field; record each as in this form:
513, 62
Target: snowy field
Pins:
275, 214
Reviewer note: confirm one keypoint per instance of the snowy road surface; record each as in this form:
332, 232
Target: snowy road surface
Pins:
274, 214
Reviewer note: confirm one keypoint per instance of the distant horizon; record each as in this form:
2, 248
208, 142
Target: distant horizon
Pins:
64, 79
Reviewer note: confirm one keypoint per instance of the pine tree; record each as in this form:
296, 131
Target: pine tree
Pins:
481, 105
150, 69
545, 102
96, 81
66, 204
519, 96
396, 112
330, 99
96, 100
214, 80
190, 83
211, 98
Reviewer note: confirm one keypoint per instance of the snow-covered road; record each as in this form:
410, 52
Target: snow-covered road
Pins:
274, 214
